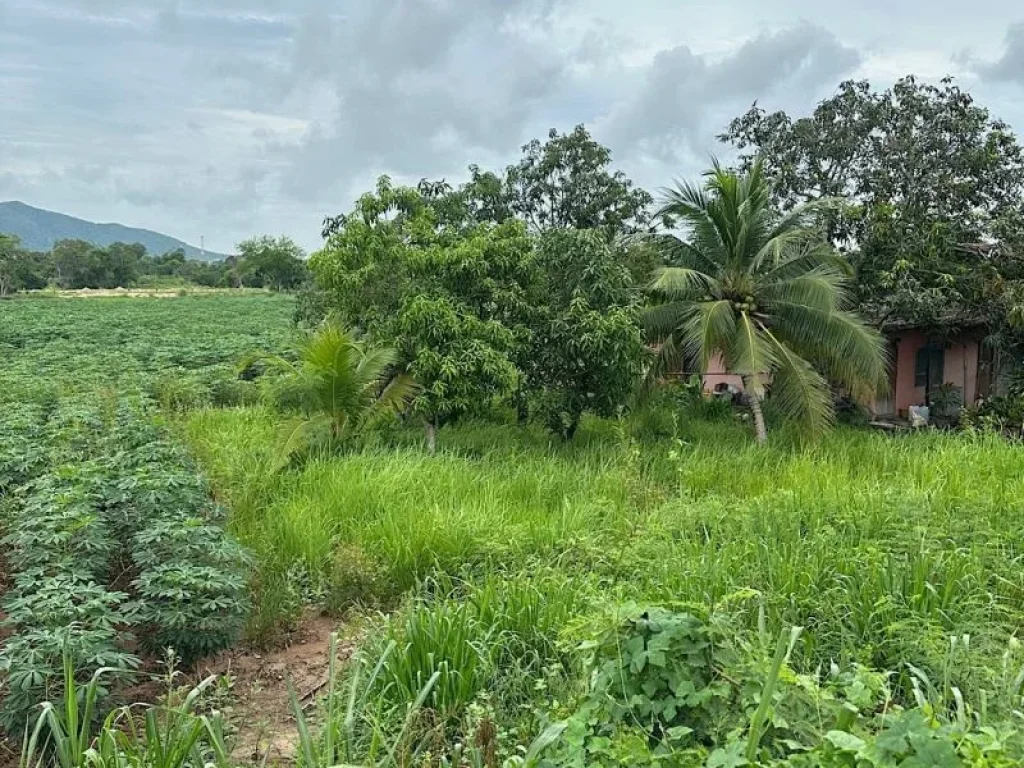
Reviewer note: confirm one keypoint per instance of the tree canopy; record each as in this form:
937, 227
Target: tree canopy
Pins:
270, 262
921, 176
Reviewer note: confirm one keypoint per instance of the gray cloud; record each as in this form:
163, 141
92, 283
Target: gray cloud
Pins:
232, 117
414, 88
682, 92
1010, 66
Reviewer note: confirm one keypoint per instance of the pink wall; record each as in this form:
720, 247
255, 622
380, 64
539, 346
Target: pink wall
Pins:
960, 368
716, 375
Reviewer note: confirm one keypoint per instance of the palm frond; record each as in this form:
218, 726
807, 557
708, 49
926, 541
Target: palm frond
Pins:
668, 359
852, 353
685, 201
680, 253
709, 330
805, 258
662, 320
683, 283
797, 390
823, 288
298, 436
750, 354
396, 395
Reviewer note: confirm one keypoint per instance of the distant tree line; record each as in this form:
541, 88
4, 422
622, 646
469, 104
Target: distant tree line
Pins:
262, 262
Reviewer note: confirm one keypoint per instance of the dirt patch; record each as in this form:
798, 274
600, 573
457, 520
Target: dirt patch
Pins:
261, 712
256, 706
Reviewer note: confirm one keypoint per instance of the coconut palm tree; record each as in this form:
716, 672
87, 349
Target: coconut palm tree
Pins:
339, 384
765, 293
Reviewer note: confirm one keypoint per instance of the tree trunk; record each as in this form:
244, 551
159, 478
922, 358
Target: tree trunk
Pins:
431, 429
760, 430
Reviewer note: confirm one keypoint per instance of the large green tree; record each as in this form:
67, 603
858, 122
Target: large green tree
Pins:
923, 174
585, 351
765, 293
565, 182
80, 264
270, 262
445, 290
12, 259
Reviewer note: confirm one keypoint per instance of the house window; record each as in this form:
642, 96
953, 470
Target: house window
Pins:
929, 367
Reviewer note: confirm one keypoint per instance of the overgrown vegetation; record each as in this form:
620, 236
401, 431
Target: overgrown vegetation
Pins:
580, 571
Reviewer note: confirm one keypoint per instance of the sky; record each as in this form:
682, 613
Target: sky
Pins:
222, 119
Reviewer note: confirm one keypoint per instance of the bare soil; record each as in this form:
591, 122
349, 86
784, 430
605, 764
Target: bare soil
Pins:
258, 712
264, 727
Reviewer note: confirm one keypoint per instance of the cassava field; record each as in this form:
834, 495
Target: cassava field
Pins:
659, 590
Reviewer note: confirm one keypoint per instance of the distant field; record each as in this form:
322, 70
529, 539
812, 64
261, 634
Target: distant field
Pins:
155, 292
183, 346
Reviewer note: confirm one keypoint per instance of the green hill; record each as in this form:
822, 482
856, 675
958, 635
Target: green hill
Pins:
40, 229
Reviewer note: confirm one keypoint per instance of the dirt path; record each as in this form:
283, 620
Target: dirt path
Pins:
261, 712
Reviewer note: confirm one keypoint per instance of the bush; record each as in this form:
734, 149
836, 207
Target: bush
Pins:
997, 414
668, 688
355, 580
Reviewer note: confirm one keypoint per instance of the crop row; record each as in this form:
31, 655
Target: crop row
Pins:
114, 547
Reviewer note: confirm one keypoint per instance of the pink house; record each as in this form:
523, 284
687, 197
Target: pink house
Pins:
921, 362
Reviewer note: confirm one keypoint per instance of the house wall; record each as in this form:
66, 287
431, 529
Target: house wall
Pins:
960, 368
716, 375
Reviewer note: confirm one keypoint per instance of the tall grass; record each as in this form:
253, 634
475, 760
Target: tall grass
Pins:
882, 547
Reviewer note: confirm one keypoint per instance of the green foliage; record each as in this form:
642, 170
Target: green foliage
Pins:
109, 497
340, 385
270, 262
923, 171
443, 291
191, 585
762, 292
461, 360
566, 183
1004, 415
586, 351
166, 736
20, 269
356, 580
469, 639
669, 689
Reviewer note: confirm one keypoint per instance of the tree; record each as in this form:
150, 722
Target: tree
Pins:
77, 265
341, 385
122, 262
566, 183
767, 294
926, 174
563, 183
11, 255
414, 272
270, 262
586, 348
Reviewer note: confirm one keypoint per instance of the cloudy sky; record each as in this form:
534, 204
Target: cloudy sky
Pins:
227, 118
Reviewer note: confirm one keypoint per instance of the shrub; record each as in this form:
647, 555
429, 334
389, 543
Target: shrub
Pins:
355, 580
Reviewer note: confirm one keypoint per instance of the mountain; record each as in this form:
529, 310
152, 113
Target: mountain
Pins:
40, 229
